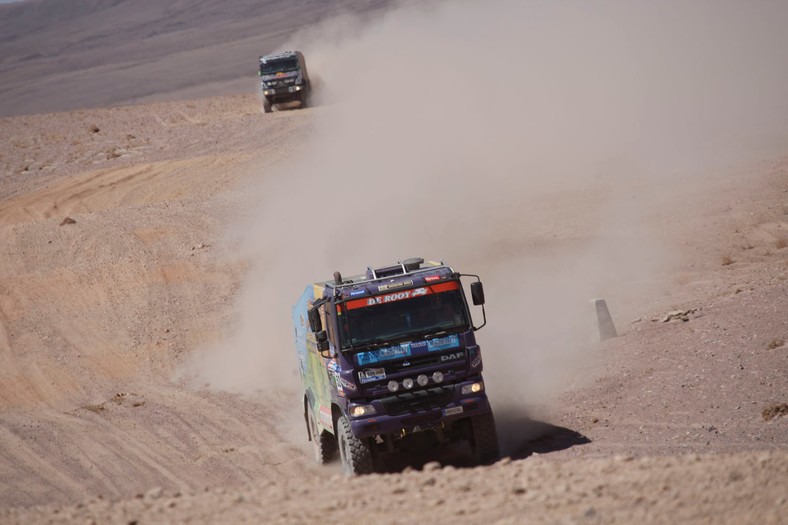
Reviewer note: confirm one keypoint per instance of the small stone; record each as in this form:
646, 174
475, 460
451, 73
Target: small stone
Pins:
67, 220
774, 410
431, 466
154, 493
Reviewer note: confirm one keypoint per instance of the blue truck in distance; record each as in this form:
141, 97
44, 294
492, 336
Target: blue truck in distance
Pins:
389, 362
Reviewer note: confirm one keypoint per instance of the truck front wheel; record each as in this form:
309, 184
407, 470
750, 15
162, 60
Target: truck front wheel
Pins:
323, 443
266, 105
484, 438
355, 453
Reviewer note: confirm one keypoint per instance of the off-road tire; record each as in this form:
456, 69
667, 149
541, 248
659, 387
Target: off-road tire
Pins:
355, 453
266, 106
323, 443
484, 439
306, 100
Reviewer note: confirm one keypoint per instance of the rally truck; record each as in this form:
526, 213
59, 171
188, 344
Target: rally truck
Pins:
284, 79
389, 363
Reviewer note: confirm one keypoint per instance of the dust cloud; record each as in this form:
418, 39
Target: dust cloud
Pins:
526, 142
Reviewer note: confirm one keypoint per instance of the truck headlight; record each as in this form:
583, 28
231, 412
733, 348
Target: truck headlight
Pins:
361, 410
268, 92
298, 88
437, 377
393, 386
472, 388
422, 380
407, 383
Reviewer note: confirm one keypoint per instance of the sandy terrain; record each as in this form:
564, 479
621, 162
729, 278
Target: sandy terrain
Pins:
97, 314
117, 268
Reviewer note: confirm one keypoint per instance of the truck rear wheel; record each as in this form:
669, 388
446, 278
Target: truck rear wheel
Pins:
484, 439
323, 443
355, 453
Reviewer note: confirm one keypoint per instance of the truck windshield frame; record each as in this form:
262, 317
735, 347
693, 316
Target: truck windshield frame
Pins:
279, 65
403, 315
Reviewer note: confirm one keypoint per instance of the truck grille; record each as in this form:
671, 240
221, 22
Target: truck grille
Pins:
414, 363
420, 399
280, 83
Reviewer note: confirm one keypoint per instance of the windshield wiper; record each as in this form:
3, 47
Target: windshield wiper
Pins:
393, 340
372, 343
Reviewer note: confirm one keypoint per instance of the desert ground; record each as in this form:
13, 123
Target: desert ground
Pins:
126, 257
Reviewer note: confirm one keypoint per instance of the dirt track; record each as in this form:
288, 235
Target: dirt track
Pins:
121, 260
97, 314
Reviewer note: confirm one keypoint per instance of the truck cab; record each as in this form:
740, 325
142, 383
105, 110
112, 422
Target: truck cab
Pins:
388, 359
284, 79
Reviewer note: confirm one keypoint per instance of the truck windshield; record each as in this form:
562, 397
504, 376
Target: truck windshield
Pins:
279, 65
400, 315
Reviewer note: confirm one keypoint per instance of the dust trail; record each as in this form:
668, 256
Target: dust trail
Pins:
524, 141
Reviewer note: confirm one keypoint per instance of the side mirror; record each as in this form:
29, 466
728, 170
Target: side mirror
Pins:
314, 320
322, 340
477, 293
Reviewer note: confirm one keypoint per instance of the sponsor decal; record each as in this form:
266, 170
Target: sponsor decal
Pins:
383, 354
398, 296
391, 286
371, 374
477, 361
325, 417
404, 294
452, 411
443, 343
431, 278
344, 383
406, 350
357, 292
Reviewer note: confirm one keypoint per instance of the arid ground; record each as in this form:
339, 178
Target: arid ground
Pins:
117, 270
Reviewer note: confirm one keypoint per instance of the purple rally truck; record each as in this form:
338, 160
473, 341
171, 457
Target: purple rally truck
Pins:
389, 363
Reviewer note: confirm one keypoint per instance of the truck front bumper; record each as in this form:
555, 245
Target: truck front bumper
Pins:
421, 418
283, 94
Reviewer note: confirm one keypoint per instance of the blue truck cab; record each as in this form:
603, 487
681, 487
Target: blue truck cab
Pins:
389, 358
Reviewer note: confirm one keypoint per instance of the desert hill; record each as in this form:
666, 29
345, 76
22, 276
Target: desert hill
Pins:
150, 252
57, 56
